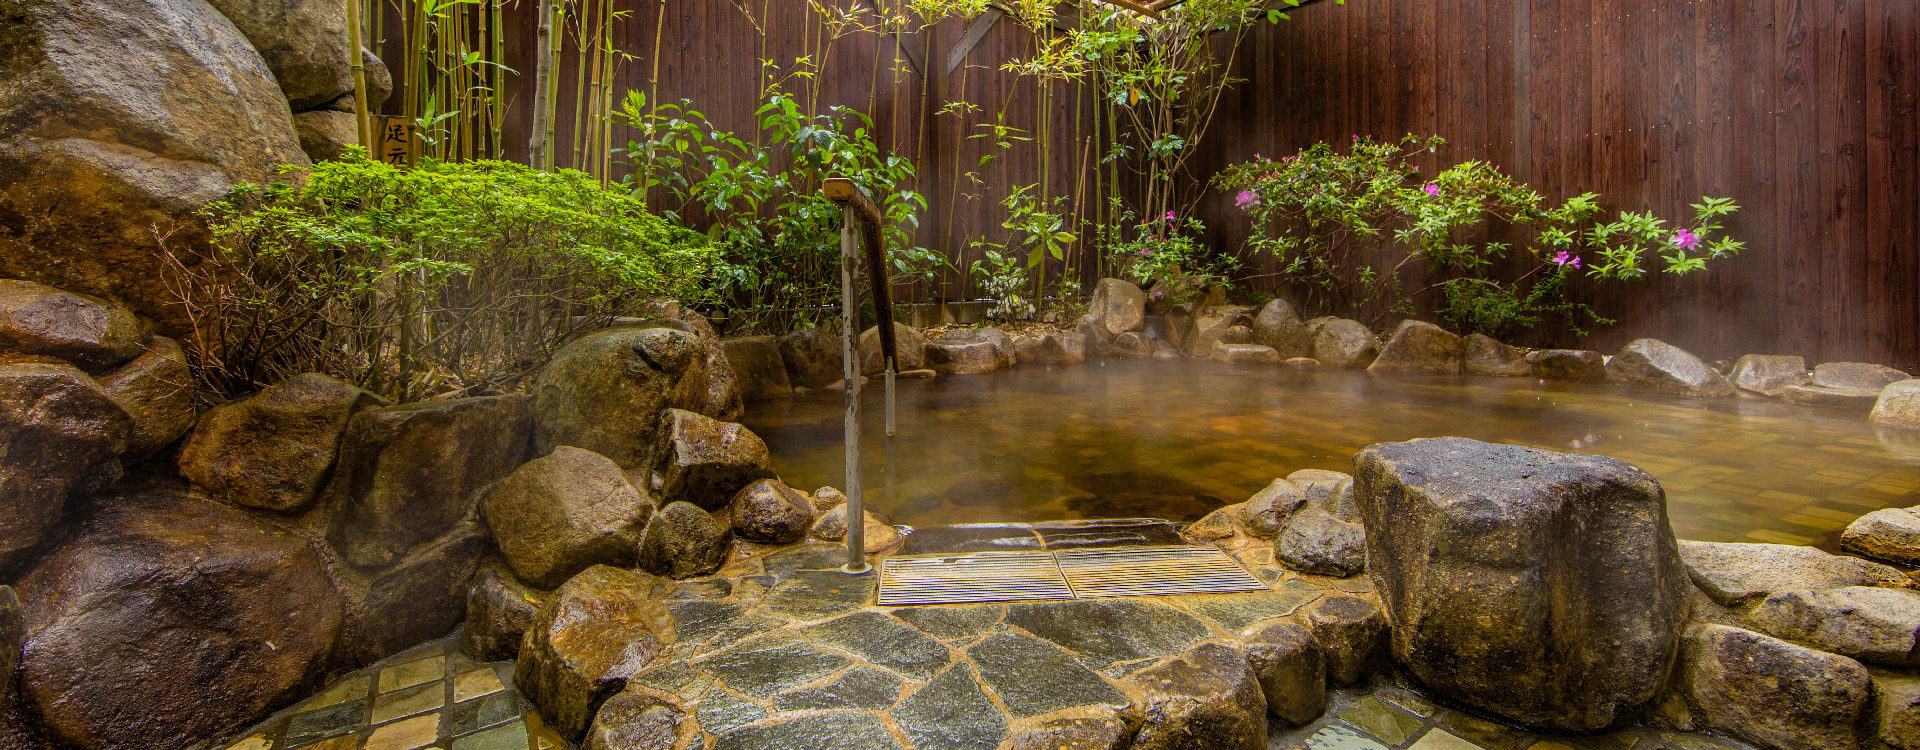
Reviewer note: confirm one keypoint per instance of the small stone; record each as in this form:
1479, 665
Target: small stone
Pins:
1207, 697
565, 512
1576, 365
325, 133
1891, 534
637, 720
1485, 356
157, 390
41, 321
826, 498
595, 632
499, 610
962, 359
1768, 374
951, 713
1856, 375
1770, 692
758, 367
1266, 513
1352, 631
1338, 342
1280, 328
1898, 406
1292, 671
1215, 324
276, 448
878, 535
1244, 353
1735, 573
1655, 364
1331, 491
1874, 625
1132, 345
1099, 341
1317, 542
705, 461
770, 512
683, 541
1422, 347
1856, 399
1005, 356
1898, 718
1215, 526
909, 352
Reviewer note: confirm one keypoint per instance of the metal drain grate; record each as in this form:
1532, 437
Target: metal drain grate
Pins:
1153, 571
1066, 574
976, 577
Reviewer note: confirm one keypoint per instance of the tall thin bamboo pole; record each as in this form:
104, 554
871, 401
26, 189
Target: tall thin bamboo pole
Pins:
360, 120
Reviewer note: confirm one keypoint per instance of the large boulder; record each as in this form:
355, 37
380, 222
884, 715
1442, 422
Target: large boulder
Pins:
410, 473
961, 359
276, 448
499, 610
712, 377
1117, 307
1544, 587
88, 332
1060, 349
1854, 399
1874, 625
770, 512
123, 116
1419, 346
1577, 365
157, 390
1292, 671
1482, 355
909, 348
757, 366
563, 513
604, 392
1734, 574
1770, 692
597, 631
683, 541
1279, 327
1004, 352
1208, 698
1891, 534
1131, 345
420, 598
1768, 374
705, 461
1099, 341
304, 42
1898, 720
61, 436
1660, 366
167, 620
814, 357
1856, 375
1339, 342
13, 638
1898, 406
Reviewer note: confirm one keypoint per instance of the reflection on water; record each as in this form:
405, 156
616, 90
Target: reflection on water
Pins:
1177, 438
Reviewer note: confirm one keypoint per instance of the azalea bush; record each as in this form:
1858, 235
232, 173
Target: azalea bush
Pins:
444, 279
1164, 254
1348, 226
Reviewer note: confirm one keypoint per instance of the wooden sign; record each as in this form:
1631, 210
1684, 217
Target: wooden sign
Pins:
393, 141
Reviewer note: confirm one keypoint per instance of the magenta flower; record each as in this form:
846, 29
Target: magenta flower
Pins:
1245, 198
1566, 260
1433, 190
1169, 216
1685, 239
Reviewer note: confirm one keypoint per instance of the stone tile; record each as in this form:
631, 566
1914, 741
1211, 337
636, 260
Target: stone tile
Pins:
951, 713
716, 588
1338, 737
1484, 733
1405, 699
834, 730
950, 621
698, 620
326, 722
406, 734
480, 713
411, 673
805, 557
671, 677
819, 594
504, 737
970, 538
1375, 718
1034, 677
477, 683
256, 742
1235, 612
342, 742
409, 701
1616, 741
882, 641
720, 712
1441, 739
351, 688
862, 687
1695, 742
1110, 630
771, 665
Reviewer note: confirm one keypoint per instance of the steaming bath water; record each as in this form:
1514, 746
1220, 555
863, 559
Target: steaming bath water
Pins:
1178, 438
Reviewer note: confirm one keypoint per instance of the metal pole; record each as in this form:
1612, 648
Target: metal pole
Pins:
890, 369
850, 352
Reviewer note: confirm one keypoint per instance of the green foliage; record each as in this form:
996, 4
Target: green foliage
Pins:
1347, 224
1004, 278
1165, 249
1034, 234
457, 278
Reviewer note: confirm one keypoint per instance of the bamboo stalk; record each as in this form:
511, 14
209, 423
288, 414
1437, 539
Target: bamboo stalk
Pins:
360, 121
497, 110
540, 142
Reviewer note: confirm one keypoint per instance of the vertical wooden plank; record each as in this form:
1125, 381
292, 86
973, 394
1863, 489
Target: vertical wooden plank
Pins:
1713, 151
1797, 222
1893, 263
1840, 79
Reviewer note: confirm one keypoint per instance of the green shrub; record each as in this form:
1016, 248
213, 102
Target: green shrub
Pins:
442, 279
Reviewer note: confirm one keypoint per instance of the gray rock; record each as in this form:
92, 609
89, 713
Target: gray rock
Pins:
325, 134
813, 356
1220, 524
1856, 375
274, 449
1477, 548
910, 350
418, 599
1059, 349
1292, 671
499, 610
1338, 342
757, 364
683, 541
1891, 534
409, 473
1099, 342
1005, 355
769, 511
1215, 324
1874, 625
705, 461
1317, 542
951, 713
1422, 347
1856, 399
1132, 345
180, 596
1279, 327
129, 114
960, 359
1577, 365
1352, 633
304, 43
1897, 718
1109, 630
604, 392
1660, 366
1768, 374
61, 436
88, 332
832, 527
1032, 677
157, 390
594, 633
1244, 353
1331, 491
1118, 307
1482, 355
1026, 348
638, 720
1266, 513
1770, 692
827, 497
1236, 334
1205, 699
1898, 406
563, 513
1735, 573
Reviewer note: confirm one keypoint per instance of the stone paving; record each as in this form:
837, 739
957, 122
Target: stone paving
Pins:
786, 651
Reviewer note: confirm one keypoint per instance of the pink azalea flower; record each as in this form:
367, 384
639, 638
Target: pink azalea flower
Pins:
1433, 190
1566, 260
1169, 216
1685, 239
1245, 198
